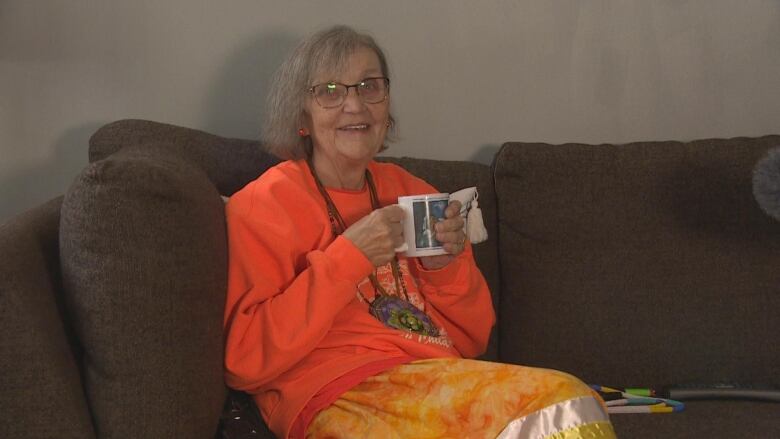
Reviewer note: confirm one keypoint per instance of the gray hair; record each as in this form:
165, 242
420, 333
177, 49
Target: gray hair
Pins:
326, 51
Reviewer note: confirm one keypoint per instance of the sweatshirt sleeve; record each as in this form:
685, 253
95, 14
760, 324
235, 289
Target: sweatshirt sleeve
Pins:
458, 295
285, 286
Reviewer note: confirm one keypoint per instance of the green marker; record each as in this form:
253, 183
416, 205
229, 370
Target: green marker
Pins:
638, 391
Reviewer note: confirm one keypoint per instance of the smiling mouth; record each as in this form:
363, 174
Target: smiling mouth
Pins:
356, 127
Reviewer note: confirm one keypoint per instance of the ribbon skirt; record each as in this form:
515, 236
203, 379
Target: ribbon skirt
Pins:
458, 398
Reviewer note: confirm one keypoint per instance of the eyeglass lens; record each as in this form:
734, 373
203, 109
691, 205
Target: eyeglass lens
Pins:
332, 94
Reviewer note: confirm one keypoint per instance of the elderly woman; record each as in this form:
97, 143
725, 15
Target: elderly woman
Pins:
332, 331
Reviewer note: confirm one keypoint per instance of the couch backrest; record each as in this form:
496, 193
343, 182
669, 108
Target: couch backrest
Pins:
639, 264
229, 163
40, 387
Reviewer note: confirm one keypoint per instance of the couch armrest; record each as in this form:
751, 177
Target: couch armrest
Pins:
144, 265
39, 375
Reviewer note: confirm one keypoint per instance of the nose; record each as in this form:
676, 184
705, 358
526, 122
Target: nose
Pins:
352, 101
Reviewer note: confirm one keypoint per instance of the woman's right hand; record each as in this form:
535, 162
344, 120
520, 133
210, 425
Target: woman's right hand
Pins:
378, 234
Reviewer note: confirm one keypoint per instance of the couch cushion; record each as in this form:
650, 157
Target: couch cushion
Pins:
144, 268
229, 163
450, 176
703, 419
639, 265
41, 393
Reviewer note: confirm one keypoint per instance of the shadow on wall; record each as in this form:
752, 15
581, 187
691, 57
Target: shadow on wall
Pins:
29, 186
485, 154
234, 107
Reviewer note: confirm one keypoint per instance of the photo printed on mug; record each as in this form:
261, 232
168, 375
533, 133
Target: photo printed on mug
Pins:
422, 212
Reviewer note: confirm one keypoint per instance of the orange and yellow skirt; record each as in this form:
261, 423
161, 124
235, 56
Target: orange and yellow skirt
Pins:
458, 398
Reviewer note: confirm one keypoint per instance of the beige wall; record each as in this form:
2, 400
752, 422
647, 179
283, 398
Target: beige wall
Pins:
467, 75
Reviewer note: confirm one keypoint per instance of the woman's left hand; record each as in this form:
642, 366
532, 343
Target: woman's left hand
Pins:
450, 233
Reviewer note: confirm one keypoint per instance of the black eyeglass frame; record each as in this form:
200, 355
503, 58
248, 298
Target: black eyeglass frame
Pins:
357, 90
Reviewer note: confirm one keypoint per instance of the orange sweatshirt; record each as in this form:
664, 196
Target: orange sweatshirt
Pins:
296, 315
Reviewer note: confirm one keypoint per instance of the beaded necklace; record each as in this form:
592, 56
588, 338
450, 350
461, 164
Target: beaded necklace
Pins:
393, 311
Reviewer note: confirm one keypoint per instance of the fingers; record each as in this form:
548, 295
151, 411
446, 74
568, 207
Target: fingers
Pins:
378, 234
450, 224
392, 216
453, 222
396, 235
449, 232
455, 249
394, 213
453, 209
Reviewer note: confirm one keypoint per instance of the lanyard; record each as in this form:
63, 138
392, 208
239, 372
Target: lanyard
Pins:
339, 226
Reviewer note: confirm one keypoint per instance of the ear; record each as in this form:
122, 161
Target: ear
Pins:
305, 121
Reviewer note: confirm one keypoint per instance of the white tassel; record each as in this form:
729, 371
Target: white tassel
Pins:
475, 224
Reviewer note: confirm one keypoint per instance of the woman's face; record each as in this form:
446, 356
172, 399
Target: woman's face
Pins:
352, 133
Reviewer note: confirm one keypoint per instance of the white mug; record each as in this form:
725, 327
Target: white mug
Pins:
421, 213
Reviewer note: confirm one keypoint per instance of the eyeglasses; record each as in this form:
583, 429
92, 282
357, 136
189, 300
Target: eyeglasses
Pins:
332, 94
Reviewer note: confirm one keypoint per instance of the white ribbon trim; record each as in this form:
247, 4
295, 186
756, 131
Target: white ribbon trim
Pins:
555, 418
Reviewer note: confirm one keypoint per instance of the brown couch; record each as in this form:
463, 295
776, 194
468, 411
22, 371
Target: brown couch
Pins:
645, 264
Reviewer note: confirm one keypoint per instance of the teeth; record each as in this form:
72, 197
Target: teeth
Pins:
355, 127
